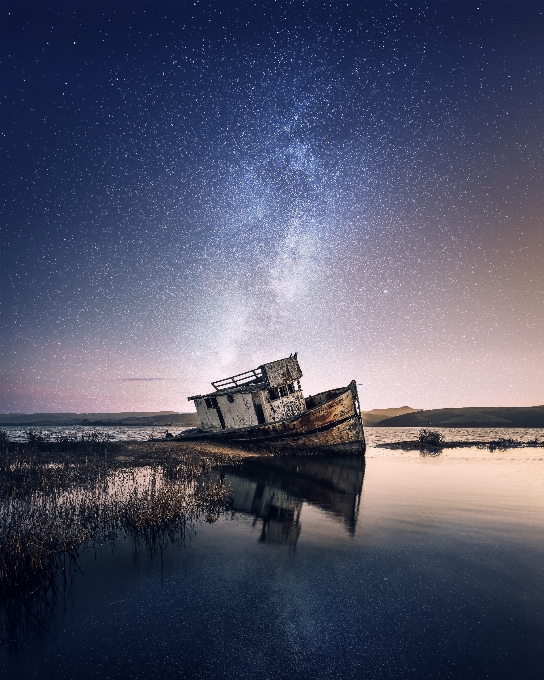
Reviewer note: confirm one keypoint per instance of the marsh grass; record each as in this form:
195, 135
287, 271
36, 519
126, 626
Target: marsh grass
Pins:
428, 446
59, 497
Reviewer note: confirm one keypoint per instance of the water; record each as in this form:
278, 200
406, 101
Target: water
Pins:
18, 433
374, 435
404, 567
379, 435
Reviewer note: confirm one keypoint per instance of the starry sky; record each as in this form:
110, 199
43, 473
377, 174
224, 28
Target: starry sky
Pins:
191, 189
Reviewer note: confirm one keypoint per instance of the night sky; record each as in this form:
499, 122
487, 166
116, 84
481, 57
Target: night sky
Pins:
191, 189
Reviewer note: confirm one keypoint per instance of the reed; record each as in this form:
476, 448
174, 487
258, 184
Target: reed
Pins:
57, 498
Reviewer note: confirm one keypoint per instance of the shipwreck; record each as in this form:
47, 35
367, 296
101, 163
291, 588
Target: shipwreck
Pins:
266, 406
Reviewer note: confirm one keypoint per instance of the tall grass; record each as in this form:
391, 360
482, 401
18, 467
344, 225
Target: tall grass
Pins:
59, 497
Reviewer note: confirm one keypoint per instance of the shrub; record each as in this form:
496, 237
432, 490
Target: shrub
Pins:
430, 438
36, 438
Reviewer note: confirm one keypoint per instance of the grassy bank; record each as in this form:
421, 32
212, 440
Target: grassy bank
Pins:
59, 497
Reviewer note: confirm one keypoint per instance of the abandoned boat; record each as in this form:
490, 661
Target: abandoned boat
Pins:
266, 406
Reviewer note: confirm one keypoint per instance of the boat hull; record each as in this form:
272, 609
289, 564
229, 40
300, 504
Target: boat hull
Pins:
334, 425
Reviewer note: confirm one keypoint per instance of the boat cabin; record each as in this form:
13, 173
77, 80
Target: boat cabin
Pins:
265, 394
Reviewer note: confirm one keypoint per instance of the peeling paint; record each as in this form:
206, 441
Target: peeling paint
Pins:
266, 394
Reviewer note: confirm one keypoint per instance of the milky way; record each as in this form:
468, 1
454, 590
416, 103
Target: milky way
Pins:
190, 190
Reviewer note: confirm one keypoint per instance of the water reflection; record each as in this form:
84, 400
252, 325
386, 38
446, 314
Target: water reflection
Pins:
28, 616
273, 490
447, 574
430, 451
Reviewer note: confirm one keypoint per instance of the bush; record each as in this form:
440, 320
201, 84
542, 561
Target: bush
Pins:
430, 438
36, 438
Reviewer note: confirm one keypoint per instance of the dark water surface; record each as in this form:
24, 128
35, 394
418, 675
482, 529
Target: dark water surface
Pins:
406, 567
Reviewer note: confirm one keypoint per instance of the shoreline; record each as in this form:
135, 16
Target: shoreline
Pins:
492, 445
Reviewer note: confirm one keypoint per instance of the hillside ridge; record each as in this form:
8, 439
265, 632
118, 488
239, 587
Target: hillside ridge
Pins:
144, 418
375, 415
472, 416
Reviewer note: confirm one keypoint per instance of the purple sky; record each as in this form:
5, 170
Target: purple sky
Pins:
193, 189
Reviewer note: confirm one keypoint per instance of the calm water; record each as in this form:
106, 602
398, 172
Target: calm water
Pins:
403, 567
374, 435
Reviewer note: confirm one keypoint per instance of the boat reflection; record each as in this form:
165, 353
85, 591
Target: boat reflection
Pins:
273, 490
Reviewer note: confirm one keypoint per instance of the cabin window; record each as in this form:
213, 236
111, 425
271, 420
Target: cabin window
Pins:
282, 391
211, 402
273, 393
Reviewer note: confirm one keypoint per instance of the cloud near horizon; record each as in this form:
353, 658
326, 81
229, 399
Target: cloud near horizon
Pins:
140, 379
134, 380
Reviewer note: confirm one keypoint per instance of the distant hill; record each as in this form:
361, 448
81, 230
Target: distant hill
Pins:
159, 418
370, 418
493, 416
404, 416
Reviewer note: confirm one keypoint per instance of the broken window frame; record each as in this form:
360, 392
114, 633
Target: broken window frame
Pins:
273, 393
